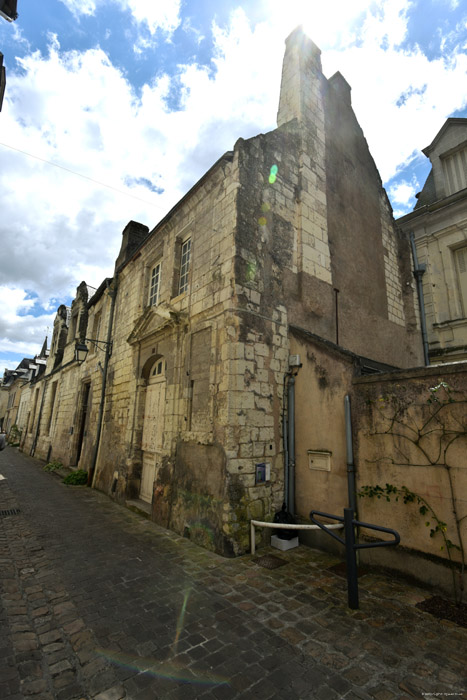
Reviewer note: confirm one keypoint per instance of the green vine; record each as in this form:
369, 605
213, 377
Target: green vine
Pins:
438, 431
437, 527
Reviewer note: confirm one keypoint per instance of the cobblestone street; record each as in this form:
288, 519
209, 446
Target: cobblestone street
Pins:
99, 603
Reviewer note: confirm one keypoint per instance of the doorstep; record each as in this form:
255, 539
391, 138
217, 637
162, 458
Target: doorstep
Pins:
140, 507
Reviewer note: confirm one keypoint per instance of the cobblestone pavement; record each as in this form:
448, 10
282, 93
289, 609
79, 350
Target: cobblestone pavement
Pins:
99, 603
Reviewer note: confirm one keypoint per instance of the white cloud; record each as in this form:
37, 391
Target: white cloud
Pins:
403, 192
401, 97
78, 110
80, 7
21, 332
154, 15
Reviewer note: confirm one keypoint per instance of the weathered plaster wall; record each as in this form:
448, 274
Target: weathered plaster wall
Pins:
407, 435
320, 387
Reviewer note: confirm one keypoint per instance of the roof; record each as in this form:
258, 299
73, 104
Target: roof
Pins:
428, 193
452, 121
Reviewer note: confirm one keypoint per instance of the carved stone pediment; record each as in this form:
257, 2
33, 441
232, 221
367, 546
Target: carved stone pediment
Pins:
156, 319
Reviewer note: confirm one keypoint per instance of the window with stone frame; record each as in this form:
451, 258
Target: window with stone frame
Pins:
96, 325
155, 284
455, 169
53, 395
73, 327
185, 255
461, 268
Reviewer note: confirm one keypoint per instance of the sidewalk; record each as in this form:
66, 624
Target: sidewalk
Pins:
100, 603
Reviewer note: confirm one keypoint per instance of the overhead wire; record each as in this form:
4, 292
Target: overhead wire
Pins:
86, 177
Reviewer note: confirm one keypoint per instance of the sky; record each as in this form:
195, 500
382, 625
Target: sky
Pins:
114, 108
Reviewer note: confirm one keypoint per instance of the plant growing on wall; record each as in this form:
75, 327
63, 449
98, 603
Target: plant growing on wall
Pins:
14, 437
77, 478
53, 466
431, 427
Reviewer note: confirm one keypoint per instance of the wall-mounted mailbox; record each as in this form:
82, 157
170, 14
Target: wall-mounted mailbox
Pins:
262, 472
319, 460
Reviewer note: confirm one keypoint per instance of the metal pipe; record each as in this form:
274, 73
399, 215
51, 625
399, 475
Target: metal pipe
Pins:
419, 271
285, 442
291, 440
350, 460
351, 559
92, 471
285, 526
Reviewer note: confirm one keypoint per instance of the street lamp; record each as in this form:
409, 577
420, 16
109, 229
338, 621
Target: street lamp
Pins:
81, 349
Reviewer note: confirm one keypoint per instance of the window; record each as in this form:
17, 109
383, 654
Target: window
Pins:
455, 171
51, 407
461, 264
184, 266
96, 324
158, 369
73, 327
155, 285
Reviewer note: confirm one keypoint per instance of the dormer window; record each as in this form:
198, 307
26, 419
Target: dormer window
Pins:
455, 170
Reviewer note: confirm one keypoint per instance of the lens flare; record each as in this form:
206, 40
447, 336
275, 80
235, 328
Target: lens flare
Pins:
161, 669
169, 669
273, 174
250, 271
262, 221
181, 617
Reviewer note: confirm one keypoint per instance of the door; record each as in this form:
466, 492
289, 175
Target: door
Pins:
82, 421
153, 430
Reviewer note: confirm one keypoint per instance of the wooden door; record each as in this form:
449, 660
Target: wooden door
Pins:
153, 430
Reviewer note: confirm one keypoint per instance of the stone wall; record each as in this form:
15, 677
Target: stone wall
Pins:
410, 430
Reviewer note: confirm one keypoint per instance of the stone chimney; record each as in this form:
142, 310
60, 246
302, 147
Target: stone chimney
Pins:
340, 85
302, 80
133, 235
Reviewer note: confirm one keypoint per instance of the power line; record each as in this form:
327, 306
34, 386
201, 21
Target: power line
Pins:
73, 172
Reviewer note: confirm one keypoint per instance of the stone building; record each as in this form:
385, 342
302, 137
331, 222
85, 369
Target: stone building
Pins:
439, 227
287, 245
15, 388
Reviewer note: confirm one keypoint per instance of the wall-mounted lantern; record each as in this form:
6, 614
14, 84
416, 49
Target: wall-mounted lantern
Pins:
81, 349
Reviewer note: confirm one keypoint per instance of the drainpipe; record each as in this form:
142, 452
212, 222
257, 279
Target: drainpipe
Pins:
108, 347
350, 460
418, 271
285, 442
291, 443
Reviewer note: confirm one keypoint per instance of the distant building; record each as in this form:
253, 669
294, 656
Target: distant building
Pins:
439, 226
286, 246
15, 389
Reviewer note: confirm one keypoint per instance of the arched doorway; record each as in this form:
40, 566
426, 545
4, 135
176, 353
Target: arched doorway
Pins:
153, 428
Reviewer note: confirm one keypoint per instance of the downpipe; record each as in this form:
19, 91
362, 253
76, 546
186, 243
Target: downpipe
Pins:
350, 460
291, 443
418, 271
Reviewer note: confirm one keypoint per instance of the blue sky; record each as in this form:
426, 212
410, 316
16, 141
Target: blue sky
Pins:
140, 98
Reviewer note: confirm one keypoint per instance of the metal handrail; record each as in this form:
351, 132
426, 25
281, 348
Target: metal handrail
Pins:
351, 545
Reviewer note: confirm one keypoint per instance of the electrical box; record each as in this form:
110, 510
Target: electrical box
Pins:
319, 460
294, 361
262, 473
